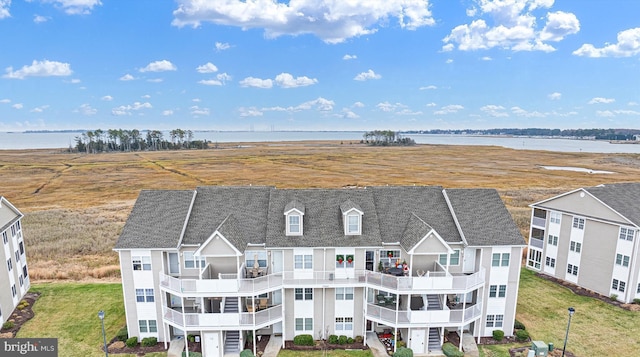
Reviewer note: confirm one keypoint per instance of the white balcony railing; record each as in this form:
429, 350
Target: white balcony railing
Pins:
223, 320
539, 222
409, 318
231, 285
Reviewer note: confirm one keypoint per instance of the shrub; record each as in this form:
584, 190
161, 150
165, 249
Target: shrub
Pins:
350, 340
359, 339
450, 350
191, 338
7, 325
122, 334
403, 352
303, 340
149, 341
498, 335
613, 297
244, 353
333, 339
191, 354
342, 340
518, 325
131, 341
402, 344
522, 335
636, 301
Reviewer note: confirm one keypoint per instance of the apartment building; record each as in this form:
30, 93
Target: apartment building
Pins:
589, 237
226, 263
14, 275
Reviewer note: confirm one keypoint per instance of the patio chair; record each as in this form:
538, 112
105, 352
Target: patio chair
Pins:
381, 300
262, 304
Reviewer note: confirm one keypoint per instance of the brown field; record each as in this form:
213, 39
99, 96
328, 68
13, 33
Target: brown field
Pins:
76, 204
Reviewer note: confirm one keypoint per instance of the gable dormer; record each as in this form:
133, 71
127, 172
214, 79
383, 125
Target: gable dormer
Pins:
351, 218
294, 212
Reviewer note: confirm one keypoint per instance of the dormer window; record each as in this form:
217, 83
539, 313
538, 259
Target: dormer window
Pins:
353, 224
294, 212
352, 218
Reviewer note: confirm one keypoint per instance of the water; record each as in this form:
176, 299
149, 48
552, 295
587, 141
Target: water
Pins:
18, 141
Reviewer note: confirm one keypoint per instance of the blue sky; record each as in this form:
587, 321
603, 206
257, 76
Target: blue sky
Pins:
319, 65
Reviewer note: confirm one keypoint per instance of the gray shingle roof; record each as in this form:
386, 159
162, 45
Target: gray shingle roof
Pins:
622, 197
483, 218
295, 204
8, 214
156, 220
415, 230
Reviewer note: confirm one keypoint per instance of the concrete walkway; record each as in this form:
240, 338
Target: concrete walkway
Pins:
377, 348
176, 346
469, 346
273, 347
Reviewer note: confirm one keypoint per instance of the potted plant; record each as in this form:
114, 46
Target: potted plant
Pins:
340, 258
380, 267
350, 259
390, 254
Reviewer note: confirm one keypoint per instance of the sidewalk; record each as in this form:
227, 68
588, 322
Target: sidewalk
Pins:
377, 348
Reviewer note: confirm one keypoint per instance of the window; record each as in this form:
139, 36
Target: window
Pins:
9, 264
13, 290
21, 280
18, 225
499, 319
575, 247
353, 224
344, 323
638, 290
304, 324
251, 256
627, 233
147, 326
572, 269
389, 257
294, 224
344, 293
303, 294
622, 260
500, 259
493, 290
495, 320
497, 291
578, 223
535, 257
551, 262
342, 261
303, 261
144, 295
553, 240
503, 291
455, 258
17, 253
24, 271
141, 263
21, 245
193, 262
490, 320
4, 237
618, 285
13, 231
555, 217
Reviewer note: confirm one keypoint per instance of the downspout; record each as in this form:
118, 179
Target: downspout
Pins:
324, 292
633, 267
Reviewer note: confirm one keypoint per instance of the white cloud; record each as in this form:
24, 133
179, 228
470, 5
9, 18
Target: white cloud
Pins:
196, 100
5, 101
155, 80
332, 21
75, 81
358, 105
286, 80
39, 109
210, 82
146, 96
127, 77
432, 104
600, 100
44, 68
628, 45
627, 112
40, 19
207, 68
167, 112
349, 57
631, 104
256, 83
221, 46
448, 61
250, 112
523, 113
319, 104
127, 109
107, 98
75, 7
430, 87
390, 107
494, 110
349, 114
449, 109
408, 112
197, 111
86, 109
159, 66
17, 106
223, 77
555, 96
4, 9
370, 74
486, 58
512, 25
605, 113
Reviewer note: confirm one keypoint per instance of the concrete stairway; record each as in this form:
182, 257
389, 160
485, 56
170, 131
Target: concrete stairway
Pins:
232, 342
433, 302
231, 305
434, 340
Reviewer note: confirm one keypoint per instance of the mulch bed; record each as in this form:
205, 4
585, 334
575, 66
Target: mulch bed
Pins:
322, 345
20, 316
260, 347
116, 347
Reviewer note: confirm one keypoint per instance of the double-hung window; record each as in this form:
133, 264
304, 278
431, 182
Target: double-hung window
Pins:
344, 323
622, 260
304, 324
627, 233
147, 326
303, 293
578, 222
193, 262
575, 246
551, 262
144, 295
141, 262
497, 291
553, 240
572, 269
498, 259
303, 261
344, 293
294, 224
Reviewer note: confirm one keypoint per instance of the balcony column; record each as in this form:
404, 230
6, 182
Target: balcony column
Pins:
255, 338
395, 336
461, 327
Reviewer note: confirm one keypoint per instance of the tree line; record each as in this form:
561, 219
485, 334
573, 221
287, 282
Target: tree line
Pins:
386, 138
598, 134
96, 141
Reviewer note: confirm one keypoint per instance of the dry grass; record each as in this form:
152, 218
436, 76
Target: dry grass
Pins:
76, 204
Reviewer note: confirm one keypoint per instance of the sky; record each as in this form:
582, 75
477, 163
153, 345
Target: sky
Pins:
319, 65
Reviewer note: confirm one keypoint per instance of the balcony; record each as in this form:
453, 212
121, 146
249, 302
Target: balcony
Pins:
421, 318
439, 281
225, 284
222, 321
537, 243
336, 277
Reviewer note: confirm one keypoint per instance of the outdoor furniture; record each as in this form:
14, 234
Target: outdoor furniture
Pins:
380, 299
249, 306
396, 271
262, 304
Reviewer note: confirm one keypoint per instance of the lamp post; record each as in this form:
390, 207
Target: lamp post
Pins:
571, 311
104, 336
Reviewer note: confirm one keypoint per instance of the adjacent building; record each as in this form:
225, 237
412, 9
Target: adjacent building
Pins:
227, 263
14, 275
589, 237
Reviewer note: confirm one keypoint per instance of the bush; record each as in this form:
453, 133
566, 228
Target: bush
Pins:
191, 354
522, 335
244, 353
636, 301
498, 335
402, 344
613, 297
149, 341
7, 325
403, 352
518, 325
122, 334
359, 339
350, 340
342, 340
304, 340
132, 341
333, 339
450, 350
